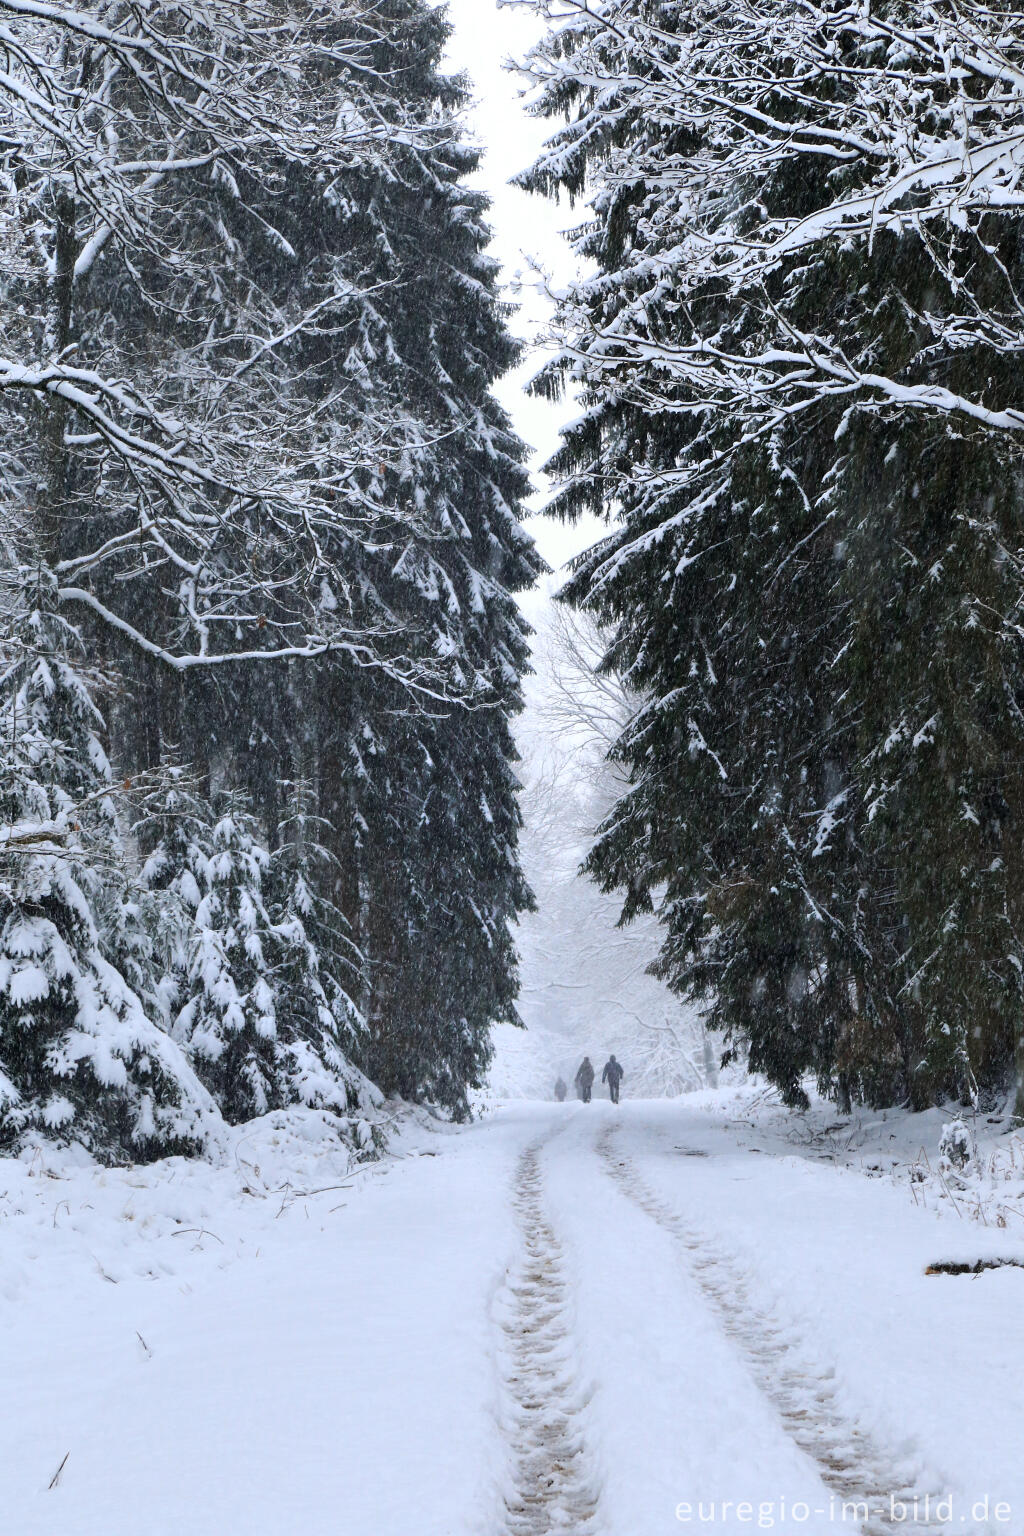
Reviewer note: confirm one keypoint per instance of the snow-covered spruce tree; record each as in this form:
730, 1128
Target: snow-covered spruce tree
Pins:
444, 887
252, 961
269, 486
717, 750
317, 969
418, 791
173, 837
79, 1059
403, 336
439, 862
228, 1022
797, 360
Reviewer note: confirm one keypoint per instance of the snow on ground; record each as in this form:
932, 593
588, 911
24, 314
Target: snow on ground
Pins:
561, 1318
927, 1367
267, 1348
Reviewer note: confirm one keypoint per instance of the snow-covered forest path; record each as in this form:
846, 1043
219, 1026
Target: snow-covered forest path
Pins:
562, 1319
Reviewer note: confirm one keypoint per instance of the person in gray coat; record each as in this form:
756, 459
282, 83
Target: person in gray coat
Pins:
612, 1075
585, 1079
560, 1091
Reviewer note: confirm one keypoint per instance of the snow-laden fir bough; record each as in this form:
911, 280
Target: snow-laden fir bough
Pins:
798, 361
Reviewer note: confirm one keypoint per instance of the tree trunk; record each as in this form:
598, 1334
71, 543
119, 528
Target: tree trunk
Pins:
54, 481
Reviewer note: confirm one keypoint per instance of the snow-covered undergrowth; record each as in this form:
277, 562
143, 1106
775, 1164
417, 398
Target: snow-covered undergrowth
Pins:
64, 1218
945, 1158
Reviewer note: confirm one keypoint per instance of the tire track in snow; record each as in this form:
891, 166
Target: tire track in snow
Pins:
553, 1488
853, 1467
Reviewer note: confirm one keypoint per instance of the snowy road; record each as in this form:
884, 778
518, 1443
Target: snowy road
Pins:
564, 1319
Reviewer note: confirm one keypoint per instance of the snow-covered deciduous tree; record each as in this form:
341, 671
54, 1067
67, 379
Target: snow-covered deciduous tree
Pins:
911, 114
148, 157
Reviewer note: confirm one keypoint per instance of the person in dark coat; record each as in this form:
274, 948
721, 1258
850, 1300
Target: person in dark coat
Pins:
560, 1091
585, 1079
612, 1075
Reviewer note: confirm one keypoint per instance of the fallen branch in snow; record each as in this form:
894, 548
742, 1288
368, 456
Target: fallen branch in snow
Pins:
959, 1267
55, 1479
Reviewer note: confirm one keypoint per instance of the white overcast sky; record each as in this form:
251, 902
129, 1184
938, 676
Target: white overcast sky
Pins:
527, 228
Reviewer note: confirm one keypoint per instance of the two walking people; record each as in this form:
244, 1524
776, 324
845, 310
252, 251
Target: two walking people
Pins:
612, 1075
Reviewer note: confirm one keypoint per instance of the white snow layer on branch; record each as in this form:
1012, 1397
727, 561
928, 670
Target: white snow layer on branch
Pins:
920, 110
129, 125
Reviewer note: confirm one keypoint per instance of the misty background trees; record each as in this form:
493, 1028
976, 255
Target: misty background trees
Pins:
587, 988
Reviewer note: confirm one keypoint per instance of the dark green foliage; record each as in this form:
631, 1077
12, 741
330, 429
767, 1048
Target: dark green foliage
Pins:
814, 590
420, 795
79, 1059
414, 793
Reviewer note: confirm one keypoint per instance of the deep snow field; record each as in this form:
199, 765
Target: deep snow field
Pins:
561, 1318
